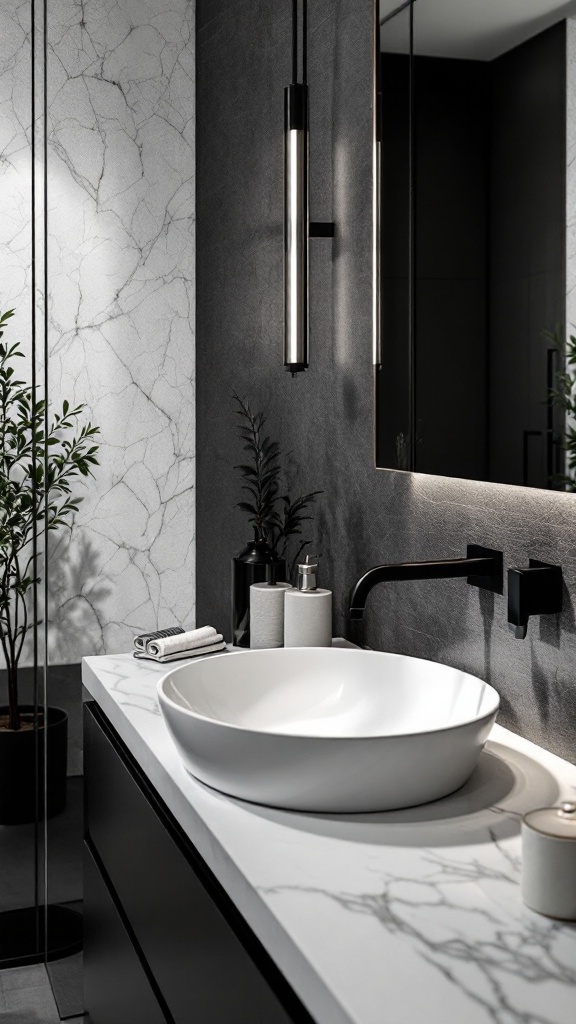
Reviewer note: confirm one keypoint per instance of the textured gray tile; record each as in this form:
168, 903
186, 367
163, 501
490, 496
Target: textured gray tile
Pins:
31, 1006
26, 996
23, 978
324, 417
66, 977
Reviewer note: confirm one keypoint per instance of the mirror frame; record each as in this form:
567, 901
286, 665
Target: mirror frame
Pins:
377, 339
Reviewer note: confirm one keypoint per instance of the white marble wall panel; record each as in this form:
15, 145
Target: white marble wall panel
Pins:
121, 297
18, 288
121, 307
121, 303
15, 164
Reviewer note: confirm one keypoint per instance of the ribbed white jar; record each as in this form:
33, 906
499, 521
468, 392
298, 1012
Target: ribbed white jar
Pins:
549, 861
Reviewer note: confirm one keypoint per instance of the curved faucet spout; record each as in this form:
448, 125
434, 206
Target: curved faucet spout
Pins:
482, 567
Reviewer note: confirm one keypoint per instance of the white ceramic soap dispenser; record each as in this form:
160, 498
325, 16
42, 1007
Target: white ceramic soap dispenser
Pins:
308, 610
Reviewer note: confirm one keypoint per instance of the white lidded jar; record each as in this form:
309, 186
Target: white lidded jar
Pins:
549, 861
308, 610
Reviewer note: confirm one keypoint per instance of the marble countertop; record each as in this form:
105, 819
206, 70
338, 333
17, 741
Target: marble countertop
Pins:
403, 917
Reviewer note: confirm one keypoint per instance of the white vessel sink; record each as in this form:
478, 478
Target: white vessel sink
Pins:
327, 729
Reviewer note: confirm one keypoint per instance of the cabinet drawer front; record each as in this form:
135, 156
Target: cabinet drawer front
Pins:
116, 988
200, 964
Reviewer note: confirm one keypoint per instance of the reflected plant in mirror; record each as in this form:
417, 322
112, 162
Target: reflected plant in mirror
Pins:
563, 394
476, 190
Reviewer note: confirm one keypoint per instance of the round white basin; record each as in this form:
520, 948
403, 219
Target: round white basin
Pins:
327, 729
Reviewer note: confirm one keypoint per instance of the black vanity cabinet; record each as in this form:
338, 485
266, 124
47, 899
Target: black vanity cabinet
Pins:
163, 940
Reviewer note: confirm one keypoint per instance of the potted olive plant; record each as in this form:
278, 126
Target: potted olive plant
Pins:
40, 459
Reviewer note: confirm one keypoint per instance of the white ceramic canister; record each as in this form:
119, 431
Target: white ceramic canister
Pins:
549, 861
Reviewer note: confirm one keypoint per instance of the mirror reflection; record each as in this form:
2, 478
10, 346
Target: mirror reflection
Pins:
478, 373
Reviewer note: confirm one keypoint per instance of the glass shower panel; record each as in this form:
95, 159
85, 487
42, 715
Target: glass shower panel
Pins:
120, 347
69, 459
22, 576
36, 921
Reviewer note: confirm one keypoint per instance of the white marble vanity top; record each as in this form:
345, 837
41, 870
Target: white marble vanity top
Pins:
405, 917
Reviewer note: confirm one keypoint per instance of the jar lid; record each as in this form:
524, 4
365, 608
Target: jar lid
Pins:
559, 822
271, 586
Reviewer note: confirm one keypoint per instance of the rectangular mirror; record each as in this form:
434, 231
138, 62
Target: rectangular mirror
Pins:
477, 280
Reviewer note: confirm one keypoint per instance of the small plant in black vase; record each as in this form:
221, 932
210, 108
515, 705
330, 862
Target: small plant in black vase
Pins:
275, 518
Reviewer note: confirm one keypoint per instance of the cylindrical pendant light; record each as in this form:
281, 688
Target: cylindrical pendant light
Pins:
296, 212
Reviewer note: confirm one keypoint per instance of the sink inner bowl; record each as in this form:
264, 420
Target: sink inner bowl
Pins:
323, 692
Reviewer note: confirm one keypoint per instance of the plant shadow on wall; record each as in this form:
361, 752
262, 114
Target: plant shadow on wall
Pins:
75, 573
276, 519
41, 458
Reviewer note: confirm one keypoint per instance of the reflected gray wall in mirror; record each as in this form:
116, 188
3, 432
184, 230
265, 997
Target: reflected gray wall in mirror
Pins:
476, 276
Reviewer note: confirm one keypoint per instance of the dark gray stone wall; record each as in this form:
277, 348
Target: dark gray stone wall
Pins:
325, 417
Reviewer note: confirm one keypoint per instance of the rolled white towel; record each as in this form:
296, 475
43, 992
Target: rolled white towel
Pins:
197, 652
142, 639
189, 641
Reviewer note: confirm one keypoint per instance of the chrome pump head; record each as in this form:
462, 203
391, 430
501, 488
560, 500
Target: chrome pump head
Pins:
307, 573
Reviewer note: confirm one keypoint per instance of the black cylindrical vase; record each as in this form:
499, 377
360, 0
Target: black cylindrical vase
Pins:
22, 767
251, 565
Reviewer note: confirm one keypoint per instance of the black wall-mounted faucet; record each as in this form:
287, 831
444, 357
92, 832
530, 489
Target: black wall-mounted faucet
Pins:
536, 590
482, 567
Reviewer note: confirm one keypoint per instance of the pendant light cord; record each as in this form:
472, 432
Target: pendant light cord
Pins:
304, 41
295, 41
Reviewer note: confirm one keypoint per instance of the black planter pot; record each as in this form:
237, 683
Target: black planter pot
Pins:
251, 565
23, 937
22, 768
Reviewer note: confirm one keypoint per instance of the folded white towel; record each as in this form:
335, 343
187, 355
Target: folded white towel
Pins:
196, 652
183, 642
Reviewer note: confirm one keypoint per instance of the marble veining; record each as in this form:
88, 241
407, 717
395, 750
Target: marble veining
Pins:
121, 266
121, 251
435, 917
414, 914
16, 164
